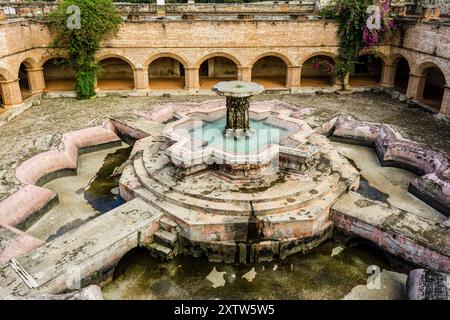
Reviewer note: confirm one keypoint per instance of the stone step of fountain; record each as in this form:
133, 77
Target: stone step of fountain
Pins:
297, 203
165, 238
279, 206
161, 252
197, 225
295, 186
168, 224
186, 201
158, 168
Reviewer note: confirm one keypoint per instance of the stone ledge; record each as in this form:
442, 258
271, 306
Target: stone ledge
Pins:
22, 206
416, 239
424, 284
433, 166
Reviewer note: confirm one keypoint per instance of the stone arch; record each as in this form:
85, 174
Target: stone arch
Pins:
58, 74
317, 69
329, 54
377, 53
6, 74
9, 87
165, 55
270, 70
2, 80
283, 57
426, 64
217, 67
120, 264
367, 70
104, 56
24, 81
218, 54
166, 71
29, 63
47, 57
22, 74
116, 73
401, 72
432, 83
395, 56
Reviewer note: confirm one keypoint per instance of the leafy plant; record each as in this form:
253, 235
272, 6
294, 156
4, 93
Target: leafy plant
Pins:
353, 33
99, 20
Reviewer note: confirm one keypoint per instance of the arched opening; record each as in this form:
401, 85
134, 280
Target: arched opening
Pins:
2, 101
166, 73
216, 69
401, 75
115, 74
59, 75
131, 258
318, 71
270, 71
366, 71
433, 90
23, 81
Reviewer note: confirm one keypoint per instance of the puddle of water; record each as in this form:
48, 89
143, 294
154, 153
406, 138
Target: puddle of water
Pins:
385, 184
102, 193
315, 275
371, 192
84, 196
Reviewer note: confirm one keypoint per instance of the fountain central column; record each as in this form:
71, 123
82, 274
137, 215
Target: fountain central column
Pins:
237, 113
238, 95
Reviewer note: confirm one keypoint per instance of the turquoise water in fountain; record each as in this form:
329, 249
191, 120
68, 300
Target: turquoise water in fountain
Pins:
263, 135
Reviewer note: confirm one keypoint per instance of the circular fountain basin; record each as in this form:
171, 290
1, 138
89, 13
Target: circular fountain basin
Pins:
198, 142
238, 89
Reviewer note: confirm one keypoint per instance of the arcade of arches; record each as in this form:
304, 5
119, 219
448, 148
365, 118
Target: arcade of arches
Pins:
425, 84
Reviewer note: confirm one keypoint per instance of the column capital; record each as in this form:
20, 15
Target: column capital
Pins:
8, 81
140, 69
243, 67
417, 75
191, 68
34, 69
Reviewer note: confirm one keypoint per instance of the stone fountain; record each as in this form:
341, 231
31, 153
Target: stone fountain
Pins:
238, 95
242, 182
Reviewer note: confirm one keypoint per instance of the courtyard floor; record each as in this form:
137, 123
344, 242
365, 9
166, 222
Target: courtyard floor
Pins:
40, 127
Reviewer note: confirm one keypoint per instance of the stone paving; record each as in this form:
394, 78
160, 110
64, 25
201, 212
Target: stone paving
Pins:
40, 127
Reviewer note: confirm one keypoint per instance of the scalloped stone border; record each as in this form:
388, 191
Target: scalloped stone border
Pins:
433, 166
23, 205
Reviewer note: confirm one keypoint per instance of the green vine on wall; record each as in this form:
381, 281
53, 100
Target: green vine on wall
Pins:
353, 33
98, 20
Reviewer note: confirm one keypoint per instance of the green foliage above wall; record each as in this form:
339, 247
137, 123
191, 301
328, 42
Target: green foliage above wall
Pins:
351, 17
353, 32
99, 20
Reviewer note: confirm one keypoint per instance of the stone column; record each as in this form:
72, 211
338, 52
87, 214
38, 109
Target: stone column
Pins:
245, 74
293, 77
388, 75
445, 107
192, 82
140, 78
337, 82
416, 86
36, 80
11, 92
160, 8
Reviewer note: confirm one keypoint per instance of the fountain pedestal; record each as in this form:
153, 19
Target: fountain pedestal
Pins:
238, 95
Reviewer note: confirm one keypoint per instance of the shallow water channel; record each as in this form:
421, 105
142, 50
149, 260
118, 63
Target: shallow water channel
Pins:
330, 271
93, 191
